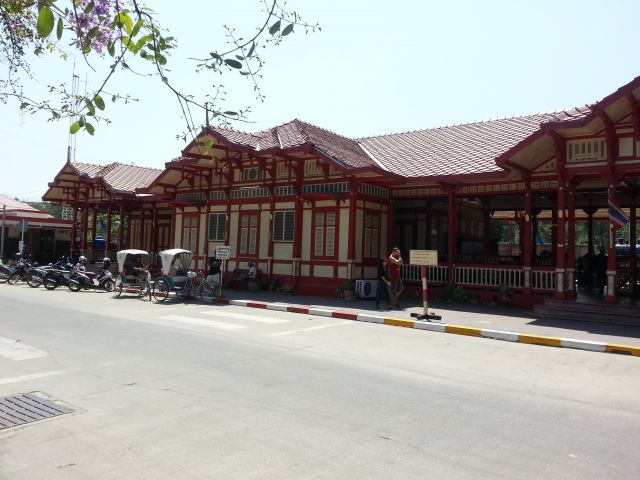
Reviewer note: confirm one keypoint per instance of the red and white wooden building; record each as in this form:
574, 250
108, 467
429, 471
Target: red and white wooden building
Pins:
317, 208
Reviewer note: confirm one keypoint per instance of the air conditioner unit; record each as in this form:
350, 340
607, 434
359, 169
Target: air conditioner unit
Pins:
366, 288
251, 174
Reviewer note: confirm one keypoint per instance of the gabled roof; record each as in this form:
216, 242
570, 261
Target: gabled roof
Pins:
15, 205
119, 176
454, 150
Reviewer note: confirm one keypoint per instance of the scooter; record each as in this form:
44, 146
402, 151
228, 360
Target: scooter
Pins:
102, 280
57, 275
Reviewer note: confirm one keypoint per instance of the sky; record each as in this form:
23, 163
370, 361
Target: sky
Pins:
376, 67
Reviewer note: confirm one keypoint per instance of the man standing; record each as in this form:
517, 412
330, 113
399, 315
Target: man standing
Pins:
395, 287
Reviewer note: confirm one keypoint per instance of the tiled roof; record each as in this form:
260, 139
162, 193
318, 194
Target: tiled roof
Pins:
119, 176
454, 150
12, 204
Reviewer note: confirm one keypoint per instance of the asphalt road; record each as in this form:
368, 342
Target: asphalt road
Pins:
195, 392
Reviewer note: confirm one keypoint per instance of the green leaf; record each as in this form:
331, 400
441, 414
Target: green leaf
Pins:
82, 121
45, 22
122, 20
111, 49
216, 56
161, 59
287, 30
99, 102
252, 49
75, 127
89, 7
274, 28
137, 27
233, 63
244, 73
59, 29
90, 107
89, 128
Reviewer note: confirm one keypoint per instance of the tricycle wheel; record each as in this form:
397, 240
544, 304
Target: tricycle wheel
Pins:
160, 290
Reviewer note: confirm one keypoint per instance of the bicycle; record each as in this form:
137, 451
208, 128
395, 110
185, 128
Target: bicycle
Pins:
203, 288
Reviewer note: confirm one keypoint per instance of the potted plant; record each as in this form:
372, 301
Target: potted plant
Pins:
349, 291
505, 295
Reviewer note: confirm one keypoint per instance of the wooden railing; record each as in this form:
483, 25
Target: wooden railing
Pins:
490, 277
439, 274
543, 280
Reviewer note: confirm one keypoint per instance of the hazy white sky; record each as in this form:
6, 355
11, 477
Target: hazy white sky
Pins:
376, 67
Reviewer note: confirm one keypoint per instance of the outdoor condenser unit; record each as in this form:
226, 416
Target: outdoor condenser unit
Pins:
366, 288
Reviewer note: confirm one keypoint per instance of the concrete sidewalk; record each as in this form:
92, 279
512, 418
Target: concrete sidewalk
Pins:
473, 318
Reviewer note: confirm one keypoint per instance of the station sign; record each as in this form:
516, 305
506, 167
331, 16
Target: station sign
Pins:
223, 252
426, 258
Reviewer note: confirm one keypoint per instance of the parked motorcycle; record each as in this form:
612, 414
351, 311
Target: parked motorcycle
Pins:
21, 272
102, 280
57, 275
36, 276
5, 272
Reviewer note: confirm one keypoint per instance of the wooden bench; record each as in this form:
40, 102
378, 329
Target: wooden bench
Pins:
239, 278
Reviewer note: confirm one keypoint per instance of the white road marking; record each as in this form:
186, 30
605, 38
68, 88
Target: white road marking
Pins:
18, 351
202, 322
242, 316
482, 321
24, 378
319, 327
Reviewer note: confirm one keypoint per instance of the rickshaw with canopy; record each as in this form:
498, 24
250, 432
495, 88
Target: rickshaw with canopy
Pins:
133, 274
175, 274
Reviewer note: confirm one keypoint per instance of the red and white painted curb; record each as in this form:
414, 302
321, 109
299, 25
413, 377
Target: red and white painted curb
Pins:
445, 328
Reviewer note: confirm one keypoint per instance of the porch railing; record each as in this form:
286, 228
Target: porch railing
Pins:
490, 277
482, 276
543, 280
439, 274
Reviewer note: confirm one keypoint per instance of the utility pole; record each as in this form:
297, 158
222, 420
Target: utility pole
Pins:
4, 214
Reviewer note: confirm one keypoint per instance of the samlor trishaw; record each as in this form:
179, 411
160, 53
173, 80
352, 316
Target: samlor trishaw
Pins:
175, 273
133, 274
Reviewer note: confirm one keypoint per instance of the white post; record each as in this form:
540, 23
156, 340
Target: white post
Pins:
22, 238
4, 213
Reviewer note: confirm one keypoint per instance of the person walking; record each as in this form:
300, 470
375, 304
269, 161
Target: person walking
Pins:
394, 261
382, 288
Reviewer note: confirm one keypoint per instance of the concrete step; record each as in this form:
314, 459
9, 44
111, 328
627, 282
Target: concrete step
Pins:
586, 315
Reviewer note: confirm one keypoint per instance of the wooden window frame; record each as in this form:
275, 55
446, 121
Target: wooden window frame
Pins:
325, 226
285, 214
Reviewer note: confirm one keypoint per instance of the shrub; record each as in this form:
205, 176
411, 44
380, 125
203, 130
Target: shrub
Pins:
455, 293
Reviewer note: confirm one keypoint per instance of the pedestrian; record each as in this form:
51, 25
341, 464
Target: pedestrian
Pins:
382, 288
600, 270
394, 261
214, 271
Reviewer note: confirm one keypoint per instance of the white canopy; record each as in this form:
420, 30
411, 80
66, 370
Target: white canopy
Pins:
122, 256
168, 256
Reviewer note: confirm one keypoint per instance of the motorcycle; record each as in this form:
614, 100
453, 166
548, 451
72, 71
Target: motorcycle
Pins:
21, 272
5, 272
36, 276
102, 280
57, 275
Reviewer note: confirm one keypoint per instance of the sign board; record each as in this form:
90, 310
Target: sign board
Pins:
23, 226
423, 257
223, 252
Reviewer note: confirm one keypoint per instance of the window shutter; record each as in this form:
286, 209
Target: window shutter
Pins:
289, 226
319, 242
331, 231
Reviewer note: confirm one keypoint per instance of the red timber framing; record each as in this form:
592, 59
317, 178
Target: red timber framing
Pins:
504, 202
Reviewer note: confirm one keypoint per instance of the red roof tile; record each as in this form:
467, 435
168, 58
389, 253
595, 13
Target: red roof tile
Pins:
119, 176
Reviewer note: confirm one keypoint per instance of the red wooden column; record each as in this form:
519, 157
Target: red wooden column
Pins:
633, 238
451, 234
297, 237
428, 220
554, 229
571, 244
154, 230
527, 241
108, 236
351, 248
390, 220
84, 227
486, 221
121, 229
143, 244
611, 260
94, 224
74, 229
561, 292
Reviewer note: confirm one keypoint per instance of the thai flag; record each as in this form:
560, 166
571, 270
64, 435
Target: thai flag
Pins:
616, 216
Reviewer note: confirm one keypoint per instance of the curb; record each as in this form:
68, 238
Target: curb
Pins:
530, 339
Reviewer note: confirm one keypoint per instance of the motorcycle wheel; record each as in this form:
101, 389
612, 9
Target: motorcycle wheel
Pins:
4, 276
109, 285
50, 284
160, 290
74, 286
34, 281
117, 287
13, 278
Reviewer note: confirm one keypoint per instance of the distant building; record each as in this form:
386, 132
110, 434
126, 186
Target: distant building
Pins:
45, 237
